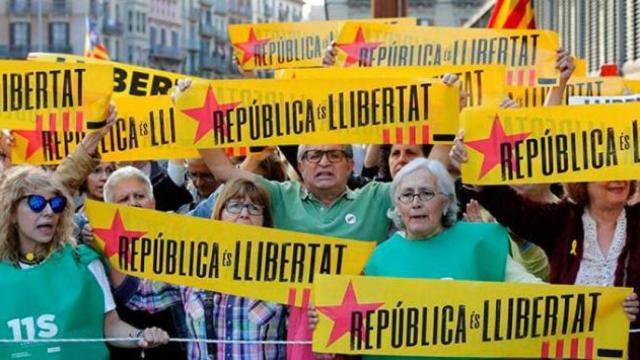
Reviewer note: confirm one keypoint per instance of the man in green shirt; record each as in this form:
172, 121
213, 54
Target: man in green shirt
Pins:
322, 203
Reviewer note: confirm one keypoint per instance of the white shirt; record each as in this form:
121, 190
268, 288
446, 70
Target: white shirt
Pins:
98, 272
596, 268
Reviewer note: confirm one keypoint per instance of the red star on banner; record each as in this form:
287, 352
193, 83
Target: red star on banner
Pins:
251, 47
490, 147
204, 114
111, 236
354, 49
34, 138
341, 314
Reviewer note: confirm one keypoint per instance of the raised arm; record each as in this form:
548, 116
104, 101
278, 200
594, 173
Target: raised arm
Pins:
566, 66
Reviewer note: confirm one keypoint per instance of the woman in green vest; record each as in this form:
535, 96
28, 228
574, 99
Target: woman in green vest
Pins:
52, 288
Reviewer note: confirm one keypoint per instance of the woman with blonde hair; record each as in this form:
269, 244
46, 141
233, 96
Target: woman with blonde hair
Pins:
54, 289
213, 315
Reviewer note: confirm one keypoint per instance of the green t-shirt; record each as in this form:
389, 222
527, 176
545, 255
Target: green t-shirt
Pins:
466, 251
357, 214
59, 298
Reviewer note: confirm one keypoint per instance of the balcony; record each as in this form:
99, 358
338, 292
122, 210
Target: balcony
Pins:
220, 8
60, 48
192, 45
59, 9
112, 27
19, 8
207, 3
166, 52
18, 51
193, 15
207, 63
207, 30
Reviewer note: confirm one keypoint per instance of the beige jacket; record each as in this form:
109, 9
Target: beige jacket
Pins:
76, 167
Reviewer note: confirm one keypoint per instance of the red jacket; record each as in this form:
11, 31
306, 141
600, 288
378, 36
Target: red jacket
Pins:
554, 227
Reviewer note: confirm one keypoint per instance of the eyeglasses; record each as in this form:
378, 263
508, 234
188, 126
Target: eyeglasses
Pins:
315, 156
37, 203
423, 196
233, 207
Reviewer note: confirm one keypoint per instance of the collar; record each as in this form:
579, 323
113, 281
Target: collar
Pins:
307, 195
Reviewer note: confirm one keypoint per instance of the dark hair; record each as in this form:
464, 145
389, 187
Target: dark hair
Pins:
385, 151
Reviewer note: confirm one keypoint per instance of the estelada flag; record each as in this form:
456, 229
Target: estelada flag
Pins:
512, 14
93, 47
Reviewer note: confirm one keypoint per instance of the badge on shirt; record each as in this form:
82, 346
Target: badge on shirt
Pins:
350, 219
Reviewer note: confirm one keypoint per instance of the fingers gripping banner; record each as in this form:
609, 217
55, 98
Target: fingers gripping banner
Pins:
530, 56
250, 261
312, 111
390, 316
552, 144
53, 96
483, 84
144, 130
596, 86
288, 45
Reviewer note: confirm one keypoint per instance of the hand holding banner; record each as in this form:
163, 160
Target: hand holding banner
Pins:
528, 96
528, 55
250, 261
53, 96
552, 144
311, 111
403, 317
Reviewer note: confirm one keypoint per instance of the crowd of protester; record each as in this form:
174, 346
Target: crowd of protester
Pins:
406, 198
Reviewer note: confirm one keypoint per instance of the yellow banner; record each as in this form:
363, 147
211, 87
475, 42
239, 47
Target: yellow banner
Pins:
587, 86
250, 261
553, 144
128, 80
404, 317
288, 45
311, 111
632, 85
484, 84
581, 67
586, 100
145, 130
529, 55
53, 96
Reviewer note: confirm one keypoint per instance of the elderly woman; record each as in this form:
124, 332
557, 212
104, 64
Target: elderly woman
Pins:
45, 275
432, 243
212, 315
591, 236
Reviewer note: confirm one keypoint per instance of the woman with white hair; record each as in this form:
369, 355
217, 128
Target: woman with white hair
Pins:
431, 242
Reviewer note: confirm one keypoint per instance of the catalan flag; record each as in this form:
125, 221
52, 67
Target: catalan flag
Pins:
513, 14
93, 47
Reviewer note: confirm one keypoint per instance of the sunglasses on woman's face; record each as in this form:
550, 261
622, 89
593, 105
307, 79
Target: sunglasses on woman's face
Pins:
37, 203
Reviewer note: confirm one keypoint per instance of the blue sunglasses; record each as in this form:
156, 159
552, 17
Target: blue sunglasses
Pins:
37, 203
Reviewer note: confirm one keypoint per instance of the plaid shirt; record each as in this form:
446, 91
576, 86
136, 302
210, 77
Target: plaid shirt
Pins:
231, 318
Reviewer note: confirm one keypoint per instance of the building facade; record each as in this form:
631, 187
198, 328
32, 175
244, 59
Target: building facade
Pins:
602, 32
46, 26
188, 36
428, 12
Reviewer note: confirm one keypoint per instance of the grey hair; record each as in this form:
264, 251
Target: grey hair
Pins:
348, 149
445, 185
126, 173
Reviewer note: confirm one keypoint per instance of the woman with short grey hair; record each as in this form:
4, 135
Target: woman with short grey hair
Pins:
431, 242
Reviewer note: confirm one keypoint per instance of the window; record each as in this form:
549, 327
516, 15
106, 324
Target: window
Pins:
116, 48
130, 21
59, 34
20, 34
174, 39
138, 20
117, 12
163, 37
144, 23
152, 36
130, 54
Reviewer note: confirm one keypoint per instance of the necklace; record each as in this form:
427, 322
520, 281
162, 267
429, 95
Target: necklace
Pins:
29, 259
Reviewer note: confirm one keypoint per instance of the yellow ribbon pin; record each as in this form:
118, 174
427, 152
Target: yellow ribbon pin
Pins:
574, 245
